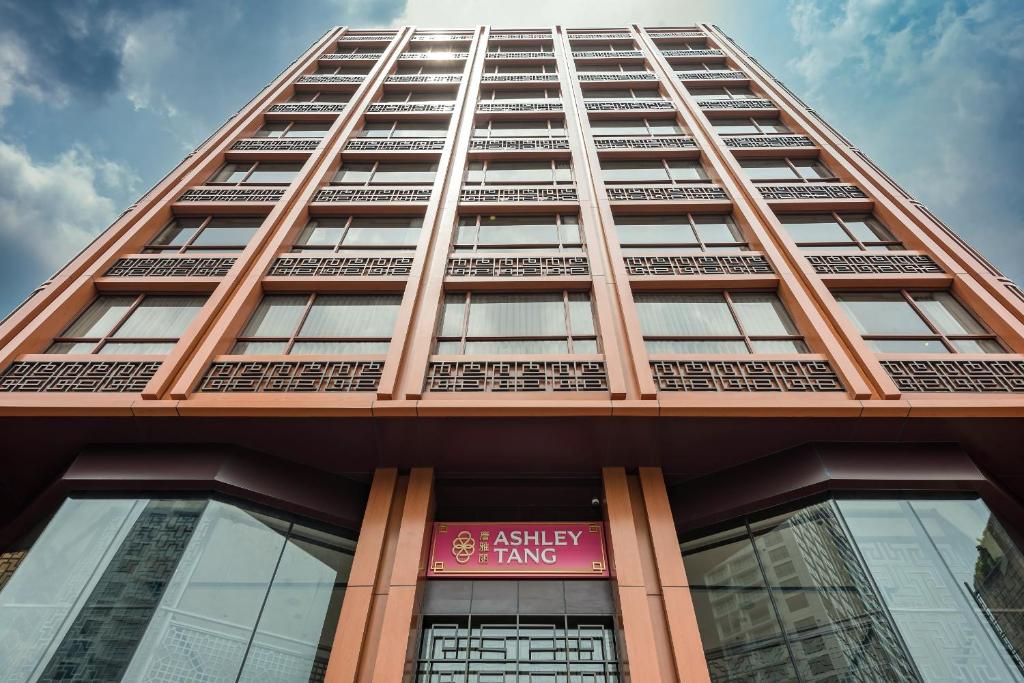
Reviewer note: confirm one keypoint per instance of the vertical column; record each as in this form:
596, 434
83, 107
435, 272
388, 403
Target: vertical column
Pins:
393, 647
680, 618
637, 626
354, 621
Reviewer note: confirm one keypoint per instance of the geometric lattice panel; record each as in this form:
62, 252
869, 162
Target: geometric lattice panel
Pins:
231, 194
873, 264
673, 142
410, 78
341, 266
614, 77
518, 194
520, 55
518, 106
767, 141
711, 75
629, 105
171, 266
518, 144
329, 79
708, 52
811, 191
747, 376
598, 36
606, 54
698, 265
646, 193
504, 35
276, 145
375, 195
736, 104
957, 376
517, 266
78, 376
434, 57
297, 376
519, 78
501, 376
351, 57
370, 145
308, 108
677, 34
411, 107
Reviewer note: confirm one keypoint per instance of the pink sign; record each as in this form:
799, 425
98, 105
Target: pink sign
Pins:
531, 549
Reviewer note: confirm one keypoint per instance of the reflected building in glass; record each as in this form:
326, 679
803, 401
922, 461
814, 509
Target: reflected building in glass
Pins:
620, 278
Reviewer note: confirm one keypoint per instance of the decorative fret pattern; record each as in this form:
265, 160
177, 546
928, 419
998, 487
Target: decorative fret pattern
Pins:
517, 266
518, 106
372, 194
171, 266
398, 145
518, 194
703, 75
607, 54
276, 144
78, 376
671, 142
517, 144
433, 56
441, 37
546, 35
957, 376
735, 104
431, 78
697, 265
811, 191
676, 34
617, 76
232, 194
746, 376
357, 57
291, 376
891, 263
630, 105
410, 108
329, 79
520, 55
519, 78
341, 266
693, 53
650, 193
504, 376
766, 141
308, 108
599, 36
368, 37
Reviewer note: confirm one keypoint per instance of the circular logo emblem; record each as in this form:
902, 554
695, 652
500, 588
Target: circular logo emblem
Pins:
463, 547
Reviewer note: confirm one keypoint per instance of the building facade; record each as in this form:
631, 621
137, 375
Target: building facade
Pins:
477, 355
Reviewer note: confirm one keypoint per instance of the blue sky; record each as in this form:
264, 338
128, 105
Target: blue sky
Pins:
100, 98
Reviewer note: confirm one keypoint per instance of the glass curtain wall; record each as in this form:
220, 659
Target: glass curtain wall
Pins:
861, 590
173, 590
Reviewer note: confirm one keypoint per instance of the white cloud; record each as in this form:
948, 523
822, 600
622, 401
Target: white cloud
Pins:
17, 77
539, 13
53, 209
150, 46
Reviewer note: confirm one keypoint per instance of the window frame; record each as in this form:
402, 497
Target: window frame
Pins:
503, 68
316, 95
728, 90
289, 125
630, 249
339, 246
369, 182
747, 339
876, 245
646, 120
458, 249
486, 124
632, 93
617, 67
788, 161
946, 340
755, 121
666, 167
485, 164
186, 246
410, 94
488, 94
253, 168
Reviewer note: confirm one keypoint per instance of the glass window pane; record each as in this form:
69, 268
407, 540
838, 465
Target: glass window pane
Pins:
178, 232
516, 315
767, 169
351, 315
685, 315
229, 232
707, 346
708, 93
654, 230
735, 126
307, 130
114, 348
100, 317
512, 230
778, 346
978, 346
231, 173
685, 169
161, 317
271, 129
517, 346
376, 129
452, 315
277, 316
773, 126
322, 348
867, 229
581, 315
647, 94
353, 172
71, 347
619, 127
424, 129
274, 173
372, 232
947, 314
638, 171
519, 172
322, 231
404, 172
814, 228
665, 127
882, 313
907, 346
762, 314
812, 169
255, 348
717, 229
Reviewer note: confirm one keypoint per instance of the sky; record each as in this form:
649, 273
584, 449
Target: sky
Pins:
99, 99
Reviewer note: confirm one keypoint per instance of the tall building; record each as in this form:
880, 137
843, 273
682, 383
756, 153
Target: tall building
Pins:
476, 355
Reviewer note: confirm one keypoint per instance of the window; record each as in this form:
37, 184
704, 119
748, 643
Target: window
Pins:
730, 92
679, 233
559, 232
359, 233
857, 589
835, 231
406, 96
513, 323
385, 173
173, 589
625, 45
544, 172
807, 170
256, 173
519, 47
146, 324
211, 233
404, 129
749, 126
521, 94
623, 94
428, 69
717, 322
641, 126
320, 324
320, 96
614, 67
499, 68
531, 128
292, 129
652, 171
341, 70
917, 322
369, 55
699, 44
701, 66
